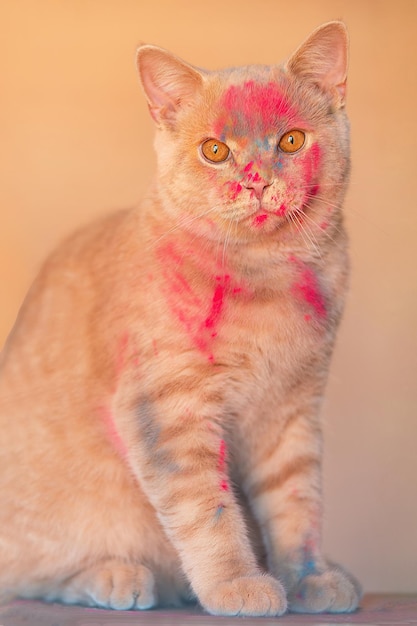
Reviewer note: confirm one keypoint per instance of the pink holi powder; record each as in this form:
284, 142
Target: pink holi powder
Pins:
222, 455
224, 485
216, 303
281, 211
168, 254
111, 431
248, 167
198, 312
315, 156
260, 219
253, 105
216, 307
235, 188
179, 284
308, 287
310, 163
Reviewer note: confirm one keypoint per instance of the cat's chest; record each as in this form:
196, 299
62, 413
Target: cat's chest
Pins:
279, 321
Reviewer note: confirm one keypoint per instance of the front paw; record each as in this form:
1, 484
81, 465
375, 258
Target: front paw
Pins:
253, 596
333, 591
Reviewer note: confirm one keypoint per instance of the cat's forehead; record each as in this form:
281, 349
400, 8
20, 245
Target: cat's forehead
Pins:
253, 100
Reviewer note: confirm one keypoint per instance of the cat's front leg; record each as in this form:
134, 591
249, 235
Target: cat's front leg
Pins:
181, 462
283, 483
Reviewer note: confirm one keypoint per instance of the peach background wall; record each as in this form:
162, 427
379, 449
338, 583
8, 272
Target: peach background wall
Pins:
76, 141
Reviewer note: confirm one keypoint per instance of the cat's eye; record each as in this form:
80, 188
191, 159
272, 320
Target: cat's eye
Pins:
215, 151
292, 141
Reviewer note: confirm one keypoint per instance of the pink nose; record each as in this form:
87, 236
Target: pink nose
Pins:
258, 187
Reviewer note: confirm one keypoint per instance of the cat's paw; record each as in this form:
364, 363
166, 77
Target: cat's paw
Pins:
112, 584
252, 596
125, 586
333, 591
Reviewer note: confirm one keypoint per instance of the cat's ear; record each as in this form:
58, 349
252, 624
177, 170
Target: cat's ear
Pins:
323, 60
169, 83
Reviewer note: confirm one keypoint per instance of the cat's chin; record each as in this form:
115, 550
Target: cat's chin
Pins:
265, 218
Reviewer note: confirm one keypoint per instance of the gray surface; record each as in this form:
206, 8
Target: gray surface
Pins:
376, 610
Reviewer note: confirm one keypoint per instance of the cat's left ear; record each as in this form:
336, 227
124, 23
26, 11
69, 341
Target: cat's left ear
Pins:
323, 60
169, 83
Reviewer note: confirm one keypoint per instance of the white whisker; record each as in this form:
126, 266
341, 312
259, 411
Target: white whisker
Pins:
309, 238
185, 221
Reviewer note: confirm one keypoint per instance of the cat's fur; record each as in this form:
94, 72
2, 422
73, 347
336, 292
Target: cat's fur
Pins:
160, 392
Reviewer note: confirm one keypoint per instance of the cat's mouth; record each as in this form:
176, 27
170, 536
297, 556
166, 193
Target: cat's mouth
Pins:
266, 217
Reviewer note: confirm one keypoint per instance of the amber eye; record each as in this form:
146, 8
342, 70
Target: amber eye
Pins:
215, 151
292, 141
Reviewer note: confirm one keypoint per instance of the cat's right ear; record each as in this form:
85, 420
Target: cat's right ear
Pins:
323, 60
169, 83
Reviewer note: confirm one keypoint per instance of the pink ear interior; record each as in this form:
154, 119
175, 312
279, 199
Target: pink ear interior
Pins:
169, 83
323, 59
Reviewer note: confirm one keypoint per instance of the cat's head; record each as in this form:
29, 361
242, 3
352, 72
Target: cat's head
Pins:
245, 152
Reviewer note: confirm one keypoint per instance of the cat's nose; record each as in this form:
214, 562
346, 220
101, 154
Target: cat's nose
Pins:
258, 187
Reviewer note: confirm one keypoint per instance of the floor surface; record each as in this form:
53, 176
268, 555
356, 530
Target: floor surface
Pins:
376, 610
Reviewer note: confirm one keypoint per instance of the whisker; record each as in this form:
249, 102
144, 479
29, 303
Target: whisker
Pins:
304, 230
185, 221
324, 231
226, 240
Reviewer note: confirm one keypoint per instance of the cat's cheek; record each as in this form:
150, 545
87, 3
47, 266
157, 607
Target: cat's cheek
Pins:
232, 189
309, 164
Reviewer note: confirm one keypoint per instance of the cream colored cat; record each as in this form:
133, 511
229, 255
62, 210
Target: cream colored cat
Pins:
160, 392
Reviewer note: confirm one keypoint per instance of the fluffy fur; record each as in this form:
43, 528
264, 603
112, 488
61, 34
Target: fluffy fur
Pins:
160, 392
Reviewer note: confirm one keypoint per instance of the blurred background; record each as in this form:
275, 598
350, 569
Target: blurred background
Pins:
76, 142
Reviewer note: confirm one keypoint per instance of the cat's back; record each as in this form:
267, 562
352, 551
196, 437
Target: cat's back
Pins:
68, 284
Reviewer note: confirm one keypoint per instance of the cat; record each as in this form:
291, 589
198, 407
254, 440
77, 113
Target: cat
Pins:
160, 391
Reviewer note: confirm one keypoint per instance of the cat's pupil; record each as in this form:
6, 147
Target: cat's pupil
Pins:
215, 148
291, 139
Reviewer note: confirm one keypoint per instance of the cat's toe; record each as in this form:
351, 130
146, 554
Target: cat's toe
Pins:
332, 591
124, 586
251, 596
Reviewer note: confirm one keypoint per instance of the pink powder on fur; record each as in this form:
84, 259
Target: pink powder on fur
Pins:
235, 188
260, 219
224, 485
311, 163
198, 311
111, 431
315, 157
252, 105
281, 211
308, 288
217, 303
222, 455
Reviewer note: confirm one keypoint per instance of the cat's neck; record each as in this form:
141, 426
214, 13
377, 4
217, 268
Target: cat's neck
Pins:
204, 260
